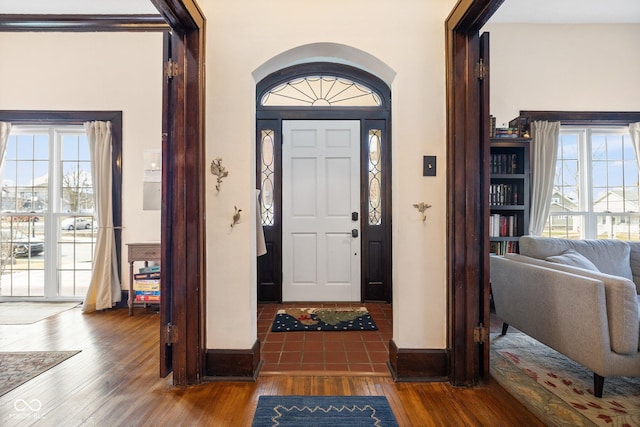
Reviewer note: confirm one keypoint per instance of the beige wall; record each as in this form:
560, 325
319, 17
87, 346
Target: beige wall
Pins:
410, 41
592, 67
94, 71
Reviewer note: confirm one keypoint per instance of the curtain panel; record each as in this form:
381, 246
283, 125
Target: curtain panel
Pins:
544, 155
104, 289
634, 130
5, 130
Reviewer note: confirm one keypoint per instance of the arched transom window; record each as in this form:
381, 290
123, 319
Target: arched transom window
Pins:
321, 91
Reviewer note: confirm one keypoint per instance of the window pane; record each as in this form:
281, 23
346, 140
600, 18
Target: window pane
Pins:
267, 177
375, 177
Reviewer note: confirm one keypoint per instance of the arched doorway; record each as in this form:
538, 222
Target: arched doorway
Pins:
304, 99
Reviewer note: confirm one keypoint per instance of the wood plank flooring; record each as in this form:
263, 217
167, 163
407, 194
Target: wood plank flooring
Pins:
114, 381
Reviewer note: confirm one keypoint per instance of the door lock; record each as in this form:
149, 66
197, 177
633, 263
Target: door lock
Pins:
354, 232
354, 216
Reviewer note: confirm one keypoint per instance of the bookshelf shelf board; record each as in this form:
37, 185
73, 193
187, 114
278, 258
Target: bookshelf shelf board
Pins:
504, 238
507, 207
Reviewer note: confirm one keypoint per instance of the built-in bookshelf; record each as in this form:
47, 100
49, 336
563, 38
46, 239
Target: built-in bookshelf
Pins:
508, 192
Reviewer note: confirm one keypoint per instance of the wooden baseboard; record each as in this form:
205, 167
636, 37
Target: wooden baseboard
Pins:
233, 364
418, 364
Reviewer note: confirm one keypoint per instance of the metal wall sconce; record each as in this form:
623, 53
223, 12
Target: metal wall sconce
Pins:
422, 207
218, 170
236, 216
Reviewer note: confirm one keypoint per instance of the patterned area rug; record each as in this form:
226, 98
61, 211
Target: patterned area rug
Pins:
558, 390
323, 411
17, 368
323, 319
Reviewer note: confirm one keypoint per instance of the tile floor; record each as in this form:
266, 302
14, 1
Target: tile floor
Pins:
349, 352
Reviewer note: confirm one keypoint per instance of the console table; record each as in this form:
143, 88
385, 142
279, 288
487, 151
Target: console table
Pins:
140, 252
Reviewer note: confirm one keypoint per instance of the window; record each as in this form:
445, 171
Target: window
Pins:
596, 189
47, 219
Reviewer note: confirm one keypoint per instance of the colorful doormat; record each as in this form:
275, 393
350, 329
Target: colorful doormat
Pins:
558, 390
323, 319
323, 411
16, 368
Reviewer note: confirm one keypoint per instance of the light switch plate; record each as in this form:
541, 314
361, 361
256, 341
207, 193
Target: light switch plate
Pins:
429, 166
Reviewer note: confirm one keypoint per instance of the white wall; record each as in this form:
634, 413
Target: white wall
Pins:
410, 41
593, 67
95, 71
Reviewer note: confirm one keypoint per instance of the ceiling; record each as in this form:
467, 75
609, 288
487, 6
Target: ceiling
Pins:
512, 11
83, 7
568, 11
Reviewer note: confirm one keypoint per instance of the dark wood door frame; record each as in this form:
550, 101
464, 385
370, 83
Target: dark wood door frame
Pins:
183, 202
182, 326
466, 223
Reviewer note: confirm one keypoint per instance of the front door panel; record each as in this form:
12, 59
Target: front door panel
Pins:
320, 191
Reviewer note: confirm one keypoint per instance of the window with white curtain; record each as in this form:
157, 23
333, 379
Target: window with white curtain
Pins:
47, 218
596, 189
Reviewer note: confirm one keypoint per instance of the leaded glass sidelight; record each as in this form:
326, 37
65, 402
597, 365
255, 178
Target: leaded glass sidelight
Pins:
267, 176
321, 91
375, 177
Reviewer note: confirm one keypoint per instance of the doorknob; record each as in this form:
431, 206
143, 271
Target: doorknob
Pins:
354, 232
354, 216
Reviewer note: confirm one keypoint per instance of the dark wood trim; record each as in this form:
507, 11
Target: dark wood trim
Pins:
418, 364
465, 177
233, 364
82, 23
183, 205
49, 117
592, 118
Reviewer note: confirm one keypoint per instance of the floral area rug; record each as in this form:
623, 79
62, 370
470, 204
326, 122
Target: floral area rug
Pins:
16, 368
319, 411
323, 319
558, 390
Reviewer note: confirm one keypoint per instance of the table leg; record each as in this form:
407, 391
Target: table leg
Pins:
130, 301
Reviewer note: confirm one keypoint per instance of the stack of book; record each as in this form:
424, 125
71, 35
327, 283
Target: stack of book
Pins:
503, 225
146, 284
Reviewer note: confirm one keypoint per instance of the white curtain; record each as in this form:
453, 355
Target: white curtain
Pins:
634, 130
104, 289
5, 130
544, 154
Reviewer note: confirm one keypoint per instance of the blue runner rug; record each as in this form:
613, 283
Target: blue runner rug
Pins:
323, 411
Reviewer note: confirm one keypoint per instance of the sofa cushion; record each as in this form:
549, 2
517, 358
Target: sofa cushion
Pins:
571, 257
622, 304
609, 256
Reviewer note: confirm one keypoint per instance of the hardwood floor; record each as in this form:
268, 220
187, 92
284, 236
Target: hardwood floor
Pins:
114, 381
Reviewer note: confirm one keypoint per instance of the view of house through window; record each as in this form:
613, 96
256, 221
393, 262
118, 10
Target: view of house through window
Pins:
47, 215
596, 190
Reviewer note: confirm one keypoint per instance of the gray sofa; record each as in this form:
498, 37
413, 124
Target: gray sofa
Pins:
579, 297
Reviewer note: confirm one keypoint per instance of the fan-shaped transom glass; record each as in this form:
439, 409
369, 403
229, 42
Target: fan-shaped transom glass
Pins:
321, 91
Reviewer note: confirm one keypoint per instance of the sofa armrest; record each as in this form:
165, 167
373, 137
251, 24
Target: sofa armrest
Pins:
562, 310
621, 302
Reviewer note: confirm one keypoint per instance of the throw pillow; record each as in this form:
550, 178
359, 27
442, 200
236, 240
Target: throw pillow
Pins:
573, 258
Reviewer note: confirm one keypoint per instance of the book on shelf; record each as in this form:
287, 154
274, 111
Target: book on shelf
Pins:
501, 248
503, 225
148, 298
503, 164
503, 194
149, 275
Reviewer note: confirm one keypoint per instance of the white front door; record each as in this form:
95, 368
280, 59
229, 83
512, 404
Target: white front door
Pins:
320, 193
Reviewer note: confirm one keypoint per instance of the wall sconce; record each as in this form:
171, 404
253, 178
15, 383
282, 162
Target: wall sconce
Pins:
422, 207
218, 170
236, 216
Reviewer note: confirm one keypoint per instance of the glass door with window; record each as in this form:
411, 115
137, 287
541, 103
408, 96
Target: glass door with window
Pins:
47, 214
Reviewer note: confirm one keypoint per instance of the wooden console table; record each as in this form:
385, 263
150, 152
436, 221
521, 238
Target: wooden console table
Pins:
140, 252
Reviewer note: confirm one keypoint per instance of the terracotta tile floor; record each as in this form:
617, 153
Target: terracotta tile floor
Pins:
348, 352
